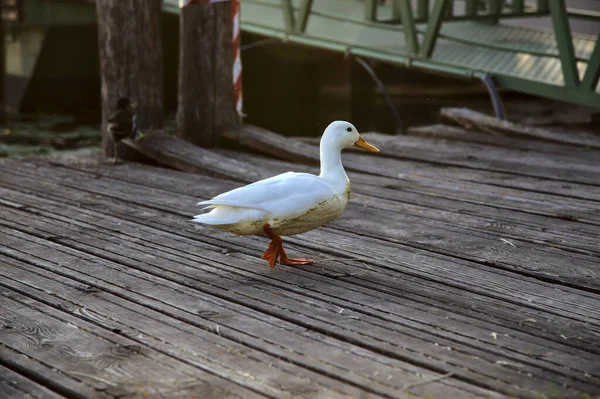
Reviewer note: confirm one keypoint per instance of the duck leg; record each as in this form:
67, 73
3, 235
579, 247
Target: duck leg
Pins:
275, 251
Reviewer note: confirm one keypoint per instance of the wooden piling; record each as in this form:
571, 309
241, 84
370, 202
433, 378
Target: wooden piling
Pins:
206, 98
129, 36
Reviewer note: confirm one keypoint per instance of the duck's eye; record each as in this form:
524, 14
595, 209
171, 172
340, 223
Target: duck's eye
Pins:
349, 129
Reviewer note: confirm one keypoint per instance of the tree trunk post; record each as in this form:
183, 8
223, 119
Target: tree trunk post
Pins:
206, 100
129, 39
2, 65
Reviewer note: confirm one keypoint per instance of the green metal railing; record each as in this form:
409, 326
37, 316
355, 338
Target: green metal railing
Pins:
458, 37
421, 22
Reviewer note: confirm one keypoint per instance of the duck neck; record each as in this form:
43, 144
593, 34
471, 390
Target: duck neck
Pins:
332, 169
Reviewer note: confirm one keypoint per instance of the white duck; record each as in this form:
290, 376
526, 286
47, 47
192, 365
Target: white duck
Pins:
289, 203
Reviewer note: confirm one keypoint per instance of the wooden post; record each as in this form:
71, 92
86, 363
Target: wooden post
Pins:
206, 98
2, 65
130, 46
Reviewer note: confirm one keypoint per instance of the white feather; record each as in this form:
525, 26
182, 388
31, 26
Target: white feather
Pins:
291, 203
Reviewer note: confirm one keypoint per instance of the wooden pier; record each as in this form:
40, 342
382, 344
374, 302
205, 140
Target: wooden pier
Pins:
467, 265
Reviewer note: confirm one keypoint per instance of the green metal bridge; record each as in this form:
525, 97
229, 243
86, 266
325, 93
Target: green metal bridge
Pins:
461, 38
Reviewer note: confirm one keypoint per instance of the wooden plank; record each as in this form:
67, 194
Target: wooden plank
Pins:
281, 147
15, 385
493, 248
417, 199
233, 324
68, 386
421, 192
500, 186
179, 154
159, 241
166, 202
271, 143
105, 360
530, 258
448, 132
485, 157
152, 233
263, 288
327, 248
475, 120
281, 302
486, 181
509, 224
188, 325
235, 246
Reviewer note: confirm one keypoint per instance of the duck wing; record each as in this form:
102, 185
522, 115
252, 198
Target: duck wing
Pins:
286, 194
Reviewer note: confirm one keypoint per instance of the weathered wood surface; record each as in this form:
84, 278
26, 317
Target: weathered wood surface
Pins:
271, 143
408, 166
478, 121
433, 286
81, 226
206, 99
179, 154
15, 385
441, 131
129, 41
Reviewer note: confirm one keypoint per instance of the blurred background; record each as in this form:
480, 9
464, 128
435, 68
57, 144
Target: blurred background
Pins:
52, 78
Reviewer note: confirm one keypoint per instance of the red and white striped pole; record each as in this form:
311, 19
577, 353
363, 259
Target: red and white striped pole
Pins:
237, 56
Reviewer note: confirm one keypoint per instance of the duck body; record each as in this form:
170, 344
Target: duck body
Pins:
310, 202
289, 203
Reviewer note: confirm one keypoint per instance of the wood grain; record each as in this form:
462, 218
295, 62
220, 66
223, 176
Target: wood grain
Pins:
129, 41
205, 96
179, 154
239, 323
478, 121
441, 349
546, 261
499, 139
446, 281
15, 385
169, 203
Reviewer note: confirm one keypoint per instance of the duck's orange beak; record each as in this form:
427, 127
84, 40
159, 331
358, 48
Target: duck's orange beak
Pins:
362, 143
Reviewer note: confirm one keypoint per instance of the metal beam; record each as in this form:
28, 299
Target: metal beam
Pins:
370, 10
288, 15
422, 9
433, 28
305, 8
471, 8
542, 5
564, 41
592, 72
517, 6
408, 23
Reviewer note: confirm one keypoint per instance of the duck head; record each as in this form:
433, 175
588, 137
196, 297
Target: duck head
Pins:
341, 134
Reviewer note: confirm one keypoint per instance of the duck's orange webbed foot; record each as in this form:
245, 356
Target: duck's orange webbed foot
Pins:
271, 254
275, 252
